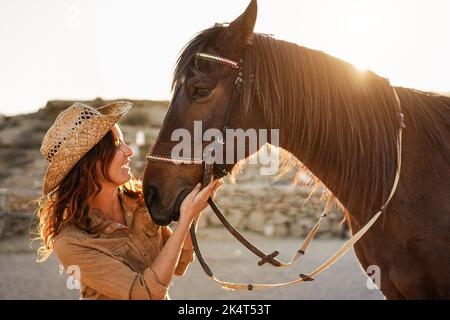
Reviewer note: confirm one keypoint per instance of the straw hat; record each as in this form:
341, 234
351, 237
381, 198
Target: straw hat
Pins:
76, 131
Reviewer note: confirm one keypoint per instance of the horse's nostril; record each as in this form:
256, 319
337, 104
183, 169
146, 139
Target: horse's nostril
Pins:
149, 196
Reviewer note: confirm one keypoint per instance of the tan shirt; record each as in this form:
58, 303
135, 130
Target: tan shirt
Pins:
115, 260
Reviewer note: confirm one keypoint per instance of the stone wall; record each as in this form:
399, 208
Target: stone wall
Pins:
16, 211
274, 209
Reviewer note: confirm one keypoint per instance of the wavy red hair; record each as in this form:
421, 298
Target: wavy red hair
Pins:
69, 203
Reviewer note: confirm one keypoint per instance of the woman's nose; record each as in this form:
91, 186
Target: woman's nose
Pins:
129, 151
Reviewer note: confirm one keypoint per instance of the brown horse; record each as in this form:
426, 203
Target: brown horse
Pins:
342, 125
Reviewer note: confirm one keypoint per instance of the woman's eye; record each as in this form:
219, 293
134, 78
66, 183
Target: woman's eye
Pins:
200, 93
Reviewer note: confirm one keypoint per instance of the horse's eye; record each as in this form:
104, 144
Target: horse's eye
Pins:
200, 93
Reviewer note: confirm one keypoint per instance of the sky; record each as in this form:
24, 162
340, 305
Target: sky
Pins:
83, 49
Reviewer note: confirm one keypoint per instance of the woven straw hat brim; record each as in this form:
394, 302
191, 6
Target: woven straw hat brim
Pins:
80, 141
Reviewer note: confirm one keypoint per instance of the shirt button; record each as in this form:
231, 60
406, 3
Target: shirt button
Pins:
129, 213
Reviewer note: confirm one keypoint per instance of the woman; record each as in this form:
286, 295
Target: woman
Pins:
94, 216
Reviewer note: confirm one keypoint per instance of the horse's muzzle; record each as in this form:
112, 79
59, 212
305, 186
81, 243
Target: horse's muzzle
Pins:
163, 216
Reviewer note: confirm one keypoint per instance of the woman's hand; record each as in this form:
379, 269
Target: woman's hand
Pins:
197, 200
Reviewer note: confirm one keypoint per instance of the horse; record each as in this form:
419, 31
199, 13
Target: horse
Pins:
341, 124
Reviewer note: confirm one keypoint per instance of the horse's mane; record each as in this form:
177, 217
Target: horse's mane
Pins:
429, 114
345, 120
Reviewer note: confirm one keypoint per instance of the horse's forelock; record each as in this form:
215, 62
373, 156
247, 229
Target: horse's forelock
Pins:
198, 44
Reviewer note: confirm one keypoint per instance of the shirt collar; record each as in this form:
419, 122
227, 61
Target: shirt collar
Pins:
98, 223
128, 203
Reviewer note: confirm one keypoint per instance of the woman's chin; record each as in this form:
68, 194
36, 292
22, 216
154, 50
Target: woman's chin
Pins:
128, 176
125, 178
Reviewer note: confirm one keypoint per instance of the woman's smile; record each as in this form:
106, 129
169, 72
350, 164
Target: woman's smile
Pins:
126, 165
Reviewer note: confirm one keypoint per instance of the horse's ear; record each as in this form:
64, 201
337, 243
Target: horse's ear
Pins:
240, 32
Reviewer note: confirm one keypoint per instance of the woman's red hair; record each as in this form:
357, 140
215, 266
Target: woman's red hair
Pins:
69, 203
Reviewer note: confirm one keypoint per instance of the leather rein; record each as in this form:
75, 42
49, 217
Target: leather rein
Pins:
213, 170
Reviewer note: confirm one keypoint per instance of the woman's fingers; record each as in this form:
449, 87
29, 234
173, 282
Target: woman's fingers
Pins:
201, 196
193, 192
207, 191
204, 194
187, 201
218, 185
197, 199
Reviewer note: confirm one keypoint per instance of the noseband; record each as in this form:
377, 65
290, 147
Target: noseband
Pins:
213, 170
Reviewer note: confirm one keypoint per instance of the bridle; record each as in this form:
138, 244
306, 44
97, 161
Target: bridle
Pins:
209, 166
213, 170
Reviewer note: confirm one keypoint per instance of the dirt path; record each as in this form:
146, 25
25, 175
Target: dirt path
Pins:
22, 278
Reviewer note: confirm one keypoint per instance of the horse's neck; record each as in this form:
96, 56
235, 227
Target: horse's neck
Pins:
328, 168
338, 122
330, 177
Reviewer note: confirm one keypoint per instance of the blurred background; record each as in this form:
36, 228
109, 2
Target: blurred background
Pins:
54, 53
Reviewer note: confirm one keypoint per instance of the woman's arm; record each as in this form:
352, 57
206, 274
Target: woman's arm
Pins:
167, 260
187, 252
165, 263
187, 245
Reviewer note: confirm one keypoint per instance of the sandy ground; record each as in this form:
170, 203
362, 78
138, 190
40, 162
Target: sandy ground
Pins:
22, 278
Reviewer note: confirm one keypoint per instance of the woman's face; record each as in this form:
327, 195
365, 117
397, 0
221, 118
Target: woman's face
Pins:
119, 170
